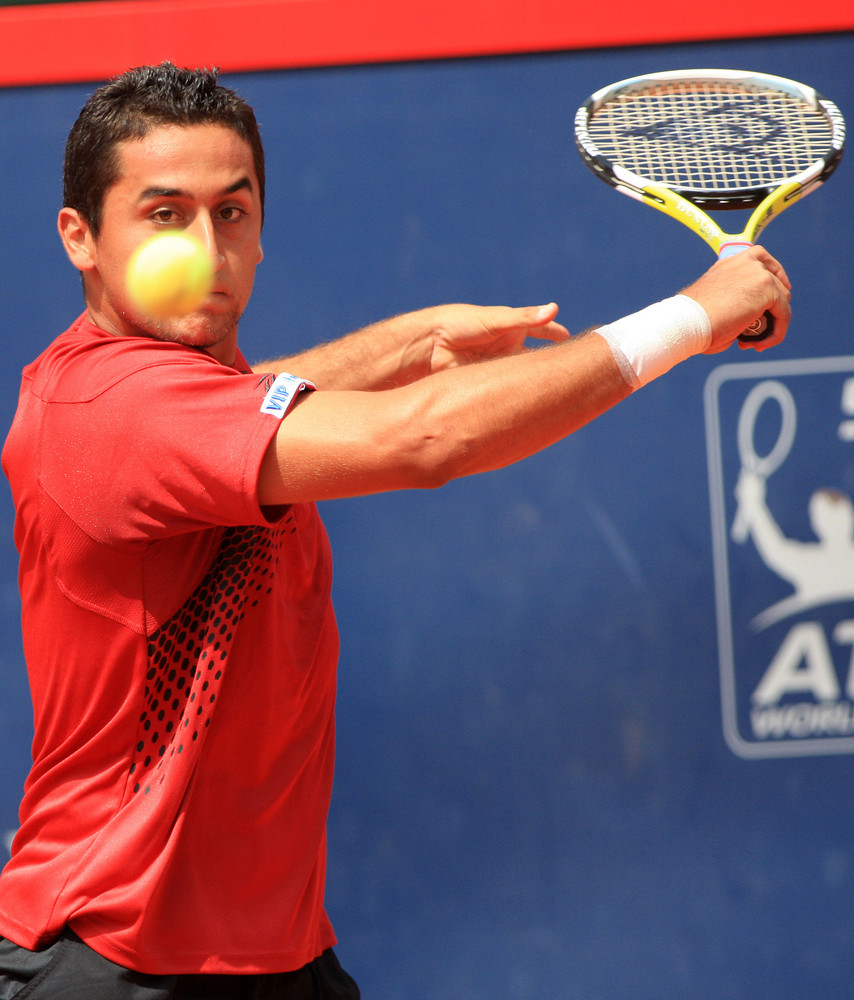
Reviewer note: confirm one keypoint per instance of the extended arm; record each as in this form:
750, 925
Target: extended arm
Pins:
454, 423
465, 420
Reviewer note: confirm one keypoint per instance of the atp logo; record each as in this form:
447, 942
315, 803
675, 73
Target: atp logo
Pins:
780, 442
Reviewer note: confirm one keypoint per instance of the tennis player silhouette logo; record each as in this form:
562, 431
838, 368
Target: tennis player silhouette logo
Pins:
820, 570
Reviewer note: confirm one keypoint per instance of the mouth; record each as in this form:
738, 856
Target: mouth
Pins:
218, 300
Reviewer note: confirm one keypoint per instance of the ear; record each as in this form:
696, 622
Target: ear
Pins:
77, 238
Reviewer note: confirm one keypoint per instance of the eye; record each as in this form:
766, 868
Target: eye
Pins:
231, 213
165, 216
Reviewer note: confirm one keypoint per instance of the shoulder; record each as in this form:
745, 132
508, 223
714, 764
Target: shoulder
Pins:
85, 362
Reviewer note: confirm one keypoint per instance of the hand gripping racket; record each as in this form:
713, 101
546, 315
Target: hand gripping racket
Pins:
711, 139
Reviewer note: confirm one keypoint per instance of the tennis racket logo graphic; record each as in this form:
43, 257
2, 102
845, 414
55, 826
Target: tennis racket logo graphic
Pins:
751, 461
745, 134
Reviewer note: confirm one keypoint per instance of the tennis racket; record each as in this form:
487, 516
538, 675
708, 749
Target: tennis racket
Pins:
705, 139
763, 465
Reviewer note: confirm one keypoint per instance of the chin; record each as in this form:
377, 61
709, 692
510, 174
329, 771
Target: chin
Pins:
200, 329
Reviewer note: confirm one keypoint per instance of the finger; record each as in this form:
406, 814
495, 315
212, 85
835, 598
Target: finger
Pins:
772, 264
502, 319
543, 314
512, 325
554, 332
539, 321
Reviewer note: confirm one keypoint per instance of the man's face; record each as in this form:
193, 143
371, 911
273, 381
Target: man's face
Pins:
199, 179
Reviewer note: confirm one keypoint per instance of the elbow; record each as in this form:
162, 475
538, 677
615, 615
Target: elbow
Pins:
431, 475
435, 454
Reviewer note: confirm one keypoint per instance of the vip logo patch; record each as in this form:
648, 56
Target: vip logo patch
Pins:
282, 393
780, 440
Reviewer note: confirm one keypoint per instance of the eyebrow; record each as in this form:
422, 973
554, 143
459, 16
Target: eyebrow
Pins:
244, 184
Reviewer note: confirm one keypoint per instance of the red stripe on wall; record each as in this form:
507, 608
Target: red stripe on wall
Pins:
56, 43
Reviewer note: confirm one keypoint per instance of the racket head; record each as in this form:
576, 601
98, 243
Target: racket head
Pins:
720, 139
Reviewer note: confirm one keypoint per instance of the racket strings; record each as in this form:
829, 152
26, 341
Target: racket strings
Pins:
719, 137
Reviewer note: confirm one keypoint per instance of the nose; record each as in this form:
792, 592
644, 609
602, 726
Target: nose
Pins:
202, 227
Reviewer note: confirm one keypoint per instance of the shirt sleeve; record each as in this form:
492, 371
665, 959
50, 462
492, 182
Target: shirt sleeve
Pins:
171, 447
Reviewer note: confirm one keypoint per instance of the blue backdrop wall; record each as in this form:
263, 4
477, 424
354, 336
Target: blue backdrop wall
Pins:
560, 771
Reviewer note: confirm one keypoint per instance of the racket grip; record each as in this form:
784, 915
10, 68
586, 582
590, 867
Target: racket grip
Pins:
762, 327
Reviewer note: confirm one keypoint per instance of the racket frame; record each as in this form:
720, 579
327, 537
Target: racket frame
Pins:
687, 205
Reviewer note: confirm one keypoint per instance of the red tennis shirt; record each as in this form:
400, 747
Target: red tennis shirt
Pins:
181, 649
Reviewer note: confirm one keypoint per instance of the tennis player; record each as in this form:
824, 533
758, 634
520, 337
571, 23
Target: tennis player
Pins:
174, 574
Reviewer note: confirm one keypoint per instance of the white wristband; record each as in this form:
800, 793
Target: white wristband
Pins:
650, 342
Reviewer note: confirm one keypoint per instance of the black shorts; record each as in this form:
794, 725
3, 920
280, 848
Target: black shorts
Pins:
69, 970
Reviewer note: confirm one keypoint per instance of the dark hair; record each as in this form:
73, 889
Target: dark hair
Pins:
127, 108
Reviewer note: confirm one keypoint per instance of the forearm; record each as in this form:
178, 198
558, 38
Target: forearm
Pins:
393, 352
494, 414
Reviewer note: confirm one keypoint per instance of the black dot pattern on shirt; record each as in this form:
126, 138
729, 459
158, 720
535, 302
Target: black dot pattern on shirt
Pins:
187, 655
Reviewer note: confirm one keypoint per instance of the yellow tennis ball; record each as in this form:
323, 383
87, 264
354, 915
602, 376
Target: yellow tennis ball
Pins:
170, 275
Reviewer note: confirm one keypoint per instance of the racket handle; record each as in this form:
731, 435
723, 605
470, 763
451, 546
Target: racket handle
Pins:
762, 327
